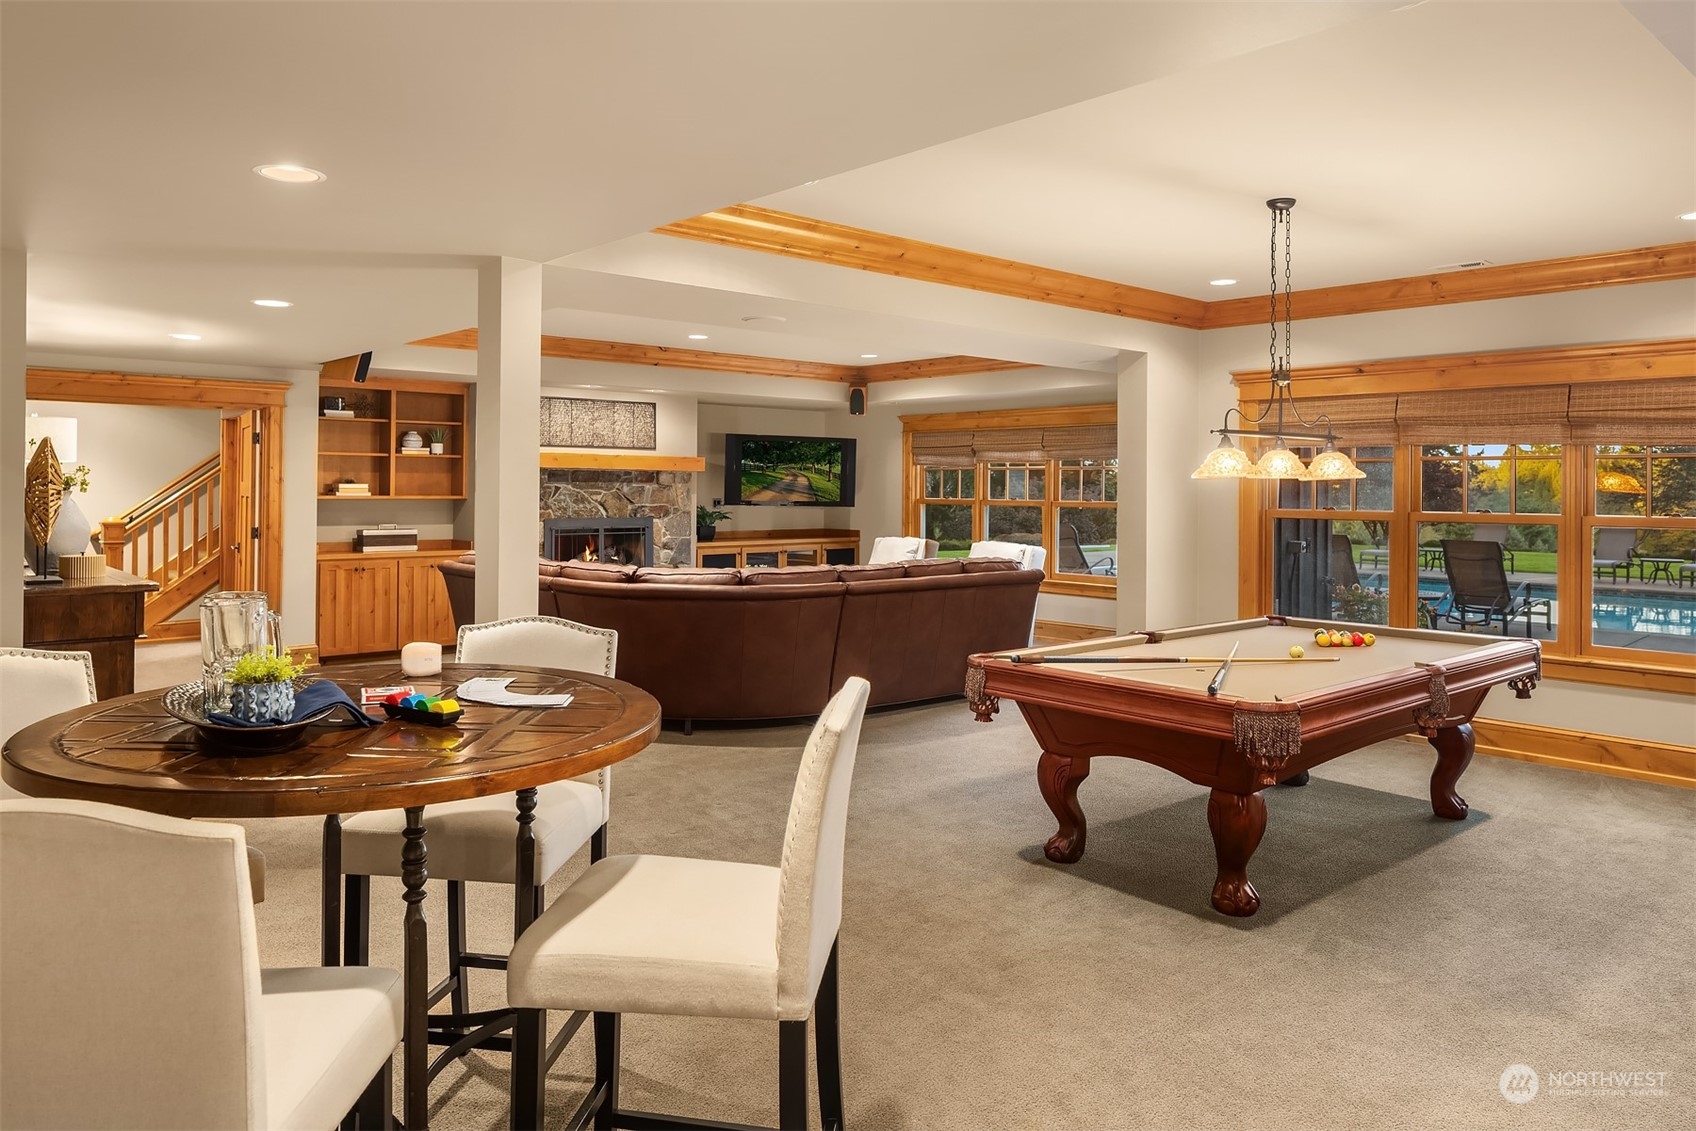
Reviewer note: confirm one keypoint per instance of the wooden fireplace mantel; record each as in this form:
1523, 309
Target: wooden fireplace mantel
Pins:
623, 461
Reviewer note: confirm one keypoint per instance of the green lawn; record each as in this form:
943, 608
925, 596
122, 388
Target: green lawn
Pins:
1524, 561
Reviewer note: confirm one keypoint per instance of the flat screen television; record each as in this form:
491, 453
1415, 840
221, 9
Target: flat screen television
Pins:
783, 471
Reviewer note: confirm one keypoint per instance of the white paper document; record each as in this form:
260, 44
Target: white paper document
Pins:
487, 689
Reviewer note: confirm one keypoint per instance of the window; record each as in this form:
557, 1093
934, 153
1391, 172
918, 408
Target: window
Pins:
1043, 477
1582, 496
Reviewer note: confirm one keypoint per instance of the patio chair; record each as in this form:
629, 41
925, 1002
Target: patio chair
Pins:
1480, 593
1496, 532
1073, 559
1616, 548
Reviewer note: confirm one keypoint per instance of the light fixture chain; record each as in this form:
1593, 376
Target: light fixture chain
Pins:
1289, 350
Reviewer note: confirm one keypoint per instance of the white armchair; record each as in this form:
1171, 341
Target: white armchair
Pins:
1028, 557
129, 966
892, 549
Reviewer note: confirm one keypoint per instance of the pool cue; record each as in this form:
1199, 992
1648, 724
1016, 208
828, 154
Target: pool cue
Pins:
1170, 659
1218, 680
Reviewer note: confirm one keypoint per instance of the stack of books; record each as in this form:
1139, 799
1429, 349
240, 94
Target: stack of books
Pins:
360, 490
344, 413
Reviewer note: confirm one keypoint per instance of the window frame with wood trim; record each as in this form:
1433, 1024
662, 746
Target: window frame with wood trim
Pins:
1046, 442
1640, 393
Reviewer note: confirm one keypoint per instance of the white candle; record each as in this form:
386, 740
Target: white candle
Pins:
421, 657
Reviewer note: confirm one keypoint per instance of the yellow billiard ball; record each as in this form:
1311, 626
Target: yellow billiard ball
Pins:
1297, 651
1370, 640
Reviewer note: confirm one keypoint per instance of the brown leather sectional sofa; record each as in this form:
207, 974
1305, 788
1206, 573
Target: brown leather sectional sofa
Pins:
775, 643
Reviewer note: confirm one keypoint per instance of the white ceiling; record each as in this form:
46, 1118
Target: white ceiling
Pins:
1129, 141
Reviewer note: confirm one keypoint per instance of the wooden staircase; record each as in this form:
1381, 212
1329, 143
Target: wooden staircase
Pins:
174, 538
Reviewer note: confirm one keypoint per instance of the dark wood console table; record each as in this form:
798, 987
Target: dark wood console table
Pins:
779, 548
100, 615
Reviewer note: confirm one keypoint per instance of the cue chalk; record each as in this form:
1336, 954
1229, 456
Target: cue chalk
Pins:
1218, 680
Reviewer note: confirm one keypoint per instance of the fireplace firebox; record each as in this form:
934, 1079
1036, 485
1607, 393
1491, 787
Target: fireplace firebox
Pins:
623, 541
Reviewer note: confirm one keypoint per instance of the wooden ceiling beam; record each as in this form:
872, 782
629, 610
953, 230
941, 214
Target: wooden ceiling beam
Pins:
754, 228
630, 353
780, 233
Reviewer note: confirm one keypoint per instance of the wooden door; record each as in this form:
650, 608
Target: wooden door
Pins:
356, 608
240, 502
423, 599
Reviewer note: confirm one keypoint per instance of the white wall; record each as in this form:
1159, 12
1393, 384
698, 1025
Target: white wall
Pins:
132, 450
1606, 314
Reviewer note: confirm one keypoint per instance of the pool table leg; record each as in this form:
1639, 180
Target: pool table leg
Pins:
1454, 754
1058, 776
1238, 821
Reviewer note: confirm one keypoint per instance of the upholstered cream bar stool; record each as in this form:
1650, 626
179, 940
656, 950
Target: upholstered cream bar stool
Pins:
36, 683
133, 995
702, 938
474, 840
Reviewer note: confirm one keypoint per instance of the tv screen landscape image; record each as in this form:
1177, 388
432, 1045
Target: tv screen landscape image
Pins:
789, 471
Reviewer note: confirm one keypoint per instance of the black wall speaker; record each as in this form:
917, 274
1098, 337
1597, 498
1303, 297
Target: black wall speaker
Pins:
363, 368
856, 400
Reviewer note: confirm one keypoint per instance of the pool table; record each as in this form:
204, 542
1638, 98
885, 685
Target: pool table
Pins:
1269, 723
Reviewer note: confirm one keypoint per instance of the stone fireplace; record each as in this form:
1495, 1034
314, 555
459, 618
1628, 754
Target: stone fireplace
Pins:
620, 541
666, 497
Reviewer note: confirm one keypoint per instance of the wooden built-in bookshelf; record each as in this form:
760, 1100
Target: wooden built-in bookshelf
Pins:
366, 448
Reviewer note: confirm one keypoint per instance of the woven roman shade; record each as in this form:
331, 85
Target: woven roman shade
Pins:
943, 449
1536, 415
1015, 445
995, 444
1082, 441
1639, 412
1359, 422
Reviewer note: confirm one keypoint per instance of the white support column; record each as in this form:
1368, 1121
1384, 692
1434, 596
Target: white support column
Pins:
1131, 609
13, 282
507, 468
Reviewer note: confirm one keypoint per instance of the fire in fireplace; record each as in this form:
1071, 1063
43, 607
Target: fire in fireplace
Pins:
622, 541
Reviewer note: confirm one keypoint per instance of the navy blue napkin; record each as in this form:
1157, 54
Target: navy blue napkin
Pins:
318, 696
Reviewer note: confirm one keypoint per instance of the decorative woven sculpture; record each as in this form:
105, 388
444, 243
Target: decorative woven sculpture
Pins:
44, 490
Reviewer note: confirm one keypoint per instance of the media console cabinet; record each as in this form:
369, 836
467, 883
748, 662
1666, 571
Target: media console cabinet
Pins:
743, 549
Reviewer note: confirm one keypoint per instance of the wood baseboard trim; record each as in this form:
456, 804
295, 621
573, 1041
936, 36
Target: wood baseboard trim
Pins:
1658, 762
1065, 632
171, 631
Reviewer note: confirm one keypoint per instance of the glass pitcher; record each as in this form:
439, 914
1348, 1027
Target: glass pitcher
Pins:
232, 625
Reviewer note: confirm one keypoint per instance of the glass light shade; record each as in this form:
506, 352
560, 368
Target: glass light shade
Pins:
1332, 464
1227, 461
1281, 463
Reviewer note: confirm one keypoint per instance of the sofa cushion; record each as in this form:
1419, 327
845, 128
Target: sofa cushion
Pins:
789, 575
870, 572
991, 565
594, 571
934, 567
685, 575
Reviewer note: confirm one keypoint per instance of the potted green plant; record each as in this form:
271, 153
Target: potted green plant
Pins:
262, 687
438, 441
705, 521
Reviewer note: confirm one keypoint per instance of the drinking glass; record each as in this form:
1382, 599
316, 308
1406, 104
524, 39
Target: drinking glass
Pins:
232, 625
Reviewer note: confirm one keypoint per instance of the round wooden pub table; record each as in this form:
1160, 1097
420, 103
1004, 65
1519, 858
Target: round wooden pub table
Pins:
129, 751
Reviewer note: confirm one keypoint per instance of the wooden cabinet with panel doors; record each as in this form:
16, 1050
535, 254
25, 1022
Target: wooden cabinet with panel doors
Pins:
376, 602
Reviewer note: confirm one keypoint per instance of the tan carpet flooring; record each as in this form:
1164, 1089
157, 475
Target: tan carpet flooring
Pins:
1399, 964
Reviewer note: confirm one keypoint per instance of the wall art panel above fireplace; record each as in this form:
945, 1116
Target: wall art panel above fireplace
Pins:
573, 422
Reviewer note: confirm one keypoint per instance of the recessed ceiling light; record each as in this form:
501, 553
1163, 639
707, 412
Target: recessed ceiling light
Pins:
1221, 282
697, 337
186, 337
272, 302
1688, 216
867, 356
290, 174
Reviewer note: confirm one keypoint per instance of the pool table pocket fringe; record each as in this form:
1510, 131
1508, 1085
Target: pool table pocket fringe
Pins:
1269, 740
1431, 716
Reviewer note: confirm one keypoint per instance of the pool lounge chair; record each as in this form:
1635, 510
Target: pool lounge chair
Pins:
1480, 593
1616, 549
1074, 560
1496, 532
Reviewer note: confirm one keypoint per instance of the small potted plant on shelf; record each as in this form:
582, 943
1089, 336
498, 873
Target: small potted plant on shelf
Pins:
438, 441
262, 687
705, 522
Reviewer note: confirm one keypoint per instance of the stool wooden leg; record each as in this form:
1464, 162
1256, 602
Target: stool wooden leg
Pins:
330, 891
792, 1075
529, 1069
375, 1109
827, 1043
606, 1069
461, 993
356, 921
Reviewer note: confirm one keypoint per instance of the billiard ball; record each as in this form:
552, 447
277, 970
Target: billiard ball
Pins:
1370, 639
1297, 651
